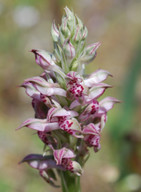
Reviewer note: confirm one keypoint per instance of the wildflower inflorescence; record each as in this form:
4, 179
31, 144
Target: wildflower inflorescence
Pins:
69, 116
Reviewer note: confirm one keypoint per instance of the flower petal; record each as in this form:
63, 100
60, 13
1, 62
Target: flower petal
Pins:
50, 113
96, 77
69, 50
32, 157
89, 110
40, 162
45, 87
96, 91
47, 61
76, 168
39, 125
69, 154
30, 90
38, 80
73, 127
103, 120
89, 52
58, 156
96, 143
63, 153
30, 121
107, 103
62, 112
74, 104
43, 58
54, 32
91, 129
49, 91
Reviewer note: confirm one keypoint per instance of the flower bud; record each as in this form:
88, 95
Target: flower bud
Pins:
69, 50
84, 33
47, 61
71, 19
77, 35
76, 168
43, 58
90, 110
63, 39
54, 32
64, 28
79, 22
89, 53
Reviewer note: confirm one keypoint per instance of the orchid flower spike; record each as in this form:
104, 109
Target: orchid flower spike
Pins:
69, 114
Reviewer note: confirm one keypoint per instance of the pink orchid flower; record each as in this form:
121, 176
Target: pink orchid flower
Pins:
92, 137
69, 114
63, 157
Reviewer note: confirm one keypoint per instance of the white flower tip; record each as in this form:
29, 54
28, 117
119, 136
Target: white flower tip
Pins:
67, 10
98, 44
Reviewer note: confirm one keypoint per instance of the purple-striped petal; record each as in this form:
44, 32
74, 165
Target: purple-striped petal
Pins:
103, 121
96, 91
96, 143
31, 90
63, 153
38, 80
47, 61
41, 85
91, 129
50, 113
107, 103
89, 52
62, 112
96, 77
49, 91
91, 49
43, 58
31, 121
54, 32
39, 125
69, 50
89, 110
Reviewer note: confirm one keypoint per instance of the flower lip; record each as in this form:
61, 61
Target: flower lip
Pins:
90, 110
63, 157
63, 153
92, 137
75, 84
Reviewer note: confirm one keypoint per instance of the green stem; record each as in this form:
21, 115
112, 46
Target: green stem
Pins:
70, 183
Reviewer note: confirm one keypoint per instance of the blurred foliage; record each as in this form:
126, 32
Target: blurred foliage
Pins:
125, 129
25, 24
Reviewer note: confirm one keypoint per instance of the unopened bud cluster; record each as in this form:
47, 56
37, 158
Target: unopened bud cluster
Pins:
69, 116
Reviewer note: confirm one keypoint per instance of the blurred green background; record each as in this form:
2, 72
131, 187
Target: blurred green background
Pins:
25, 24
